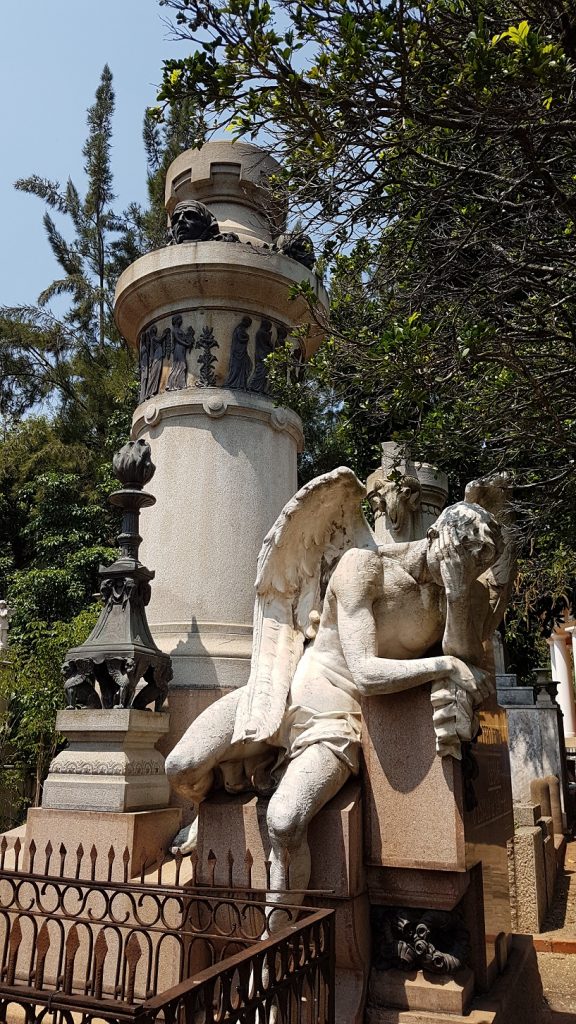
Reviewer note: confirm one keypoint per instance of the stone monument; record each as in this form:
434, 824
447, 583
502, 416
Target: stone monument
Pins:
204, 312
385, 647
364, 656
461, 819
406, 496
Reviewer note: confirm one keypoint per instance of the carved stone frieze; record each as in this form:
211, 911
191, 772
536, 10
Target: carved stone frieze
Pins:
264, 346
240, 366
207, 358
153, 353
78, 767
192, 349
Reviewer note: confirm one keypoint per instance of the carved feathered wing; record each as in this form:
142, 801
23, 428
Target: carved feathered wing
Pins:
494, 493
322, 521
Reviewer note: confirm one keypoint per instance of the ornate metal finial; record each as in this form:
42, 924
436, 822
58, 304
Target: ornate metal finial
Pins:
120, 650
134, 467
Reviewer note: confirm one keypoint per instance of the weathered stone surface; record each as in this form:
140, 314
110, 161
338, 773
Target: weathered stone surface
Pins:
515, 996
146, 835
526, 815
535, 746
228, 826
414, 990
216, 453
489, 826
409, 887
110, 764
550, 869
530, 880
234, 824
413, 798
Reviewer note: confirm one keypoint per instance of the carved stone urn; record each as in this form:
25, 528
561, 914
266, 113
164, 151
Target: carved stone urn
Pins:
205, 311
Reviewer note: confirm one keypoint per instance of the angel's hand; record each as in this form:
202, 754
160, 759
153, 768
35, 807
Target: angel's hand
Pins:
469, 678
458, 564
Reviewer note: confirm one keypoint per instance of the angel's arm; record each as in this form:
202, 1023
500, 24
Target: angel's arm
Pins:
356, 585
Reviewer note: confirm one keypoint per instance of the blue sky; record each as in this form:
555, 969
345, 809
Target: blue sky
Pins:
51, 57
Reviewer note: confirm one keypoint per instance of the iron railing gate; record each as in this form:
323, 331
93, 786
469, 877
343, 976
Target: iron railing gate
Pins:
158, 947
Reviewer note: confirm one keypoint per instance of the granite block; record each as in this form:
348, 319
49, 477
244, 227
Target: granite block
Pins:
526, 815
414, 990
530, 879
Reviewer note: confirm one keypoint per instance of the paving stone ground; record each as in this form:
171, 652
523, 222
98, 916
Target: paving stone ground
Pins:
558, 969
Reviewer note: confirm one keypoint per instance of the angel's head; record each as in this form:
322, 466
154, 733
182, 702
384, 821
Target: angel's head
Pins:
468, 530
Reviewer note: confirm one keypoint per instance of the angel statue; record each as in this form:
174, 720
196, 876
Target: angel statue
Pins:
338, 617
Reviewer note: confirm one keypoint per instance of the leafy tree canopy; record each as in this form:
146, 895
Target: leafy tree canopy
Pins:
67, 391
430, 147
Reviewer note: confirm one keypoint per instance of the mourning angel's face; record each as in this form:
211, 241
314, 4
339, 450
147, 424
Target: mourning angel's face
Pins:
465, 531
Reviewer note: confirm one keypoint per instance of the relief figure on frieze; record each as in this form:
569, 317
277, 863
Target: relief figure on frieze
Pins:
240, 366
264, 347
182, 344
144, 364
158, 344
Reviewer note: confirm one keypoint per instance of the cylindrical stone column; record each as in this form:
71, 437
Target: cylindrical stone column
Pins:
562, 673
407, 496
204, 314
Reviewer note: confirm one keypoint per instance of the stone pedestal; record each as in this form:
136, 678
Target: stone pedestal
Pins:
229, 826
515, 996
411, 990
107, 789
142, 837
110, 763
421, 843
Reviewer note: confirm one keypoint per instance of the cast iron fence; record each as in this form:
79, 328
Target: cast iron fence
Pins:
154, 947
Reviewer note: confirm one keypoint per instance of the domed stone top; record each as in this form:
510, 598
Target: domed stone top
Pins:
231, 179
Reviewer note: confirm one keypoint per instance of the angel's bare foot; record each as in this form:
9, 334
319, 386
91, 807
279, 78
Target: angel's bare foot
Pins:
186, 839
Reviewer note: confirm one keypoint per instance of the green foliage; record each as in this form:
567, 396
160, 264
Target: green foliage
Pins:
76, 361
56, 526
31, 687
163, 143
430, 148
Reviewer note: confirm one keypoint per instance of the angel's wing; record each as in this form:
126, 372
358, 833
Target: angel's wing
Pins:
311, 534
493, 493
